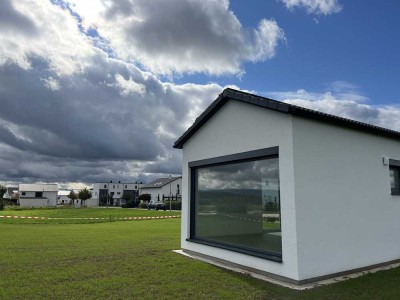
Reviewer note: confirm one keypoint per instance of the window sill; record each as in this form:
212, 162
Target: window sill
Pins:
265, 255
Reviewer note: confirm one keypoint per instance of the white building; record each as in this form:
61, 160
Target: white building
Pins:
11, 193
163, 188
38, 195
336, 183
110, 193
62, 197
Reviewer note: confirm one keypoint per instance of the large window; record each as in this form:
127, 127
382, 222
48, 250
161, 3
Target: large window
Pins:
394, 169
236, 203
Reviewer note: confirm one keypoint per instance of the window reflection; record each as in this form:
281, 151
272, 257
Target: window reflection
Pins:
238, 204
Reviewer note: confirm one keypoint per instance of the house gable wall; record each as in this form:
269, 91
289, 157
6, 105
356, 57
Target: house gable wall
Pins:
239, 127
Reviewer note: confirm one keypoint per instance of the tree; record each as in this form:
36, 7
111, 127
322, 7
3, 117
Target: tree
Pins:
3, 190
84, 195
145, 197
73, 196
130, 200
127, 197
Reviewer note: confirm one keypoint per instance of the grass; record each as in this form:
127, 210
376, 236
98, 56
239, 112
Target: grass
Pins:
133, 260
115, 214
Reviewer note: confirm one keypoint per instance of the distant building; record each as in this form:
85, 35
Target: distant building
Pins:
11, 193
110, 193
163, 188
38, 195
62, 197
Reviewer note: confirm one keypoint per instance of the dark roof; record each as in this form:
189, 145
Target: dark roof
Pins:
160, 182
281, 107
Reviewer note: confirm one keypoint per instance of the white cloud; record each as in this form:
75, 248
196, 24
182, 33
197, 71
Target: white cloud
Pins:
318, 7
129, 86
337, 104
51, 83
181, 36
52, 35
108, 119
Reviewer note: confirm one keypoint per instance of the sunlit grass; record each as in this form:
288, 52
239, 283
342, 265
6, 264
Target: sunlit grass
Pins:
133, 260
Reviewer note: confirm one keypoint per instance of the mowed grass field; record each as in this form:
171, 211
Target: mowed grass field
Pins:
75, 215
134, 260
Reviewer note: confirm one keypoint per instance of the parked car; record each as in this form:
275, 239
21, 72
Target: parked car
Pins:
157, 205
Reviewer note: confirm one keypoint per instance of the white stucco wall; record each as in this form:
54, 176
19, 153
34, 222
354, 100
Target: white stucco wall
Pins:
164, 190
346, 215
29, 200
236, 128
62, 198
92, 202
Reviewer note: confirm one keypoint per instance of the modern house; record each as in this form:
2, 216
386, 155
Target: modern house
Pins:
110, 193
11, 193
162, 188
38, 195
287, 192
62, 197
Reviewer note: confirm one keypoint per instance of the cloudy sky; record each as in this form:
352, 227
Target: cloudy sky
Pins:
99, 90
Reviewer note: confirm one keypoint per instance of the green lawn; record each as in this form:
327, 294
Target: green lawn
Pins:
114, 213
133, 260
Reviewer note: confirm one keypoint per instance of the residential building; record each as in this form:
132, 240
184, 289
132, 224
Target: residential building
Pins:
38, 195
110, 193
162, 188
286, 192
11, 193
62, 197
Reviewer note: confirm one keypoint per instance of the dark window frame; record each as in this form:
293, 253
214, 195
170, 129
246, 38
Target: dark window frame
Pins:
38, 194
254, 155
395, 165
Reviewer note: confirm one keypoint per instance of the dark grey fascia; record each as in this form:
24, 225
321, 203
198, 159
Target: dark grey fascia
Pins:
266, 152
281, 107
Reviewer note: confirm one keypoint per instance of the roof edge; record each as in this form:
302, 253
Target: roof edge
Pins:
282, 107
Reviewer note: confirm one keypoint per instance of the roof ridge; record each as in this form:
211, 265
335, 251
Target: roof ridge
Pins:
282, 107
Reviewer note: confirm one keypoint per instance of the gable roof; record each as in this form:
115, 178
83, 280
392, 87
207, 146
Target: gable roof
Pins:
160, 182
281, 107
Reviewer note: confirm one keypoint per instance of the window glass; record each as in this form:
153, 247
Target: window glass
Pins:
238, 204
395, 180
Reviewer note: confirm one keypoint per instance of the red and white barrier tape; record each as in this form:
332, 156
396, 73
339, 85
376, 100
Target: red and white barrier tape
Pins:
126, 218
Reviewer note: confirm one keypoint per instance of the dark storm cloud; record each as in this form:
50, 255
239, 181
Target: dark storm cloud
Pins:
95, 125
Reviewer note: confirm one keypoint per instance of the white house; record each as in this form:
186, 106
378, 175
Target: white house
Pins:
38, 195
62, 197
110, 193
163, 188
11, 193
288, 192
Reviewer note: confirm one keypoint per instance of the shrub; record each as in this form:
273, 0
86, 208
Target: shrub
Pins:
142, 205
175, 205
1, 204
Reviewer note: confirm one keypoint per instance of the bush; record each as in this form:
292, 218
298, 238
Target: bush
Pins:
175, 205
1, 204
142, 205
